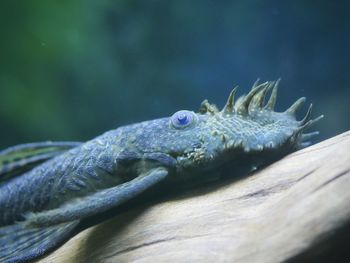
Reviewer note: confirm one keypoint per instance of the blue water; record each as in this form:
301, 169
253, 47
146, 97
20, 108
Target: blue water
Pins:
70, 72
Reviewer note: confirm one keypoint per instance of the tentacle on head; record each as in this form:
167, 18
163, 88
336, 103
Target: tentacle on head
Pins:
271, 128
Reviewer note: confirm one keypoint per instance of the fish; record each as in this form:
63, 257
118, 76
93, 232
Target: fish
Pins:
48, 188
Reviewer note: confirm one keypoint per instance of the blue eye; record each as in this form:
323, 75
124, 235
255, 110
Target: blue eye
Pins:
182, 119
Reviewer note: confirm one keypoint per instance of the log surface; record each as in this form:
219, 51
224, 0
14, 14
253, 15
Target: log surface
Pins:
293, 210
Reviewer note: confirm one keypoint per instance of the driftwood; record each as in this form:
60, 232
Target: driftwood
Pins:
295, 210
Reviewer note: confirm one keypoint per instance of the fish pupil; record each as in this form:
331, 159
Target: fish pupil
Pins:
182, 118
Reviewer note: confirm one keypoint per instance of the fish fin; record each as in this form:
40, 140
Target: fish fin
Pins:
98, 202
21, 158
19, 243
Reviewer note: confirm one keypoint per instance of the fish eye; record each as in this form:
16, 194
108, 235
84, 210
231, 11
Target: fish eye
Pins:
182, 119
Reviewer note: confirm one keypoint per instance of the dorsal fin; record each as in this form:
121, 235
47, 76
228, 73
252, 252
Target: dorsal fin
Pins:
21, 158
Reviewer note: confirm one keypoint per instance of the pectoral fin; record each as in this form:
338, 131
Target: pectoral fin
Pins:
20, 243
21, 158
98, 202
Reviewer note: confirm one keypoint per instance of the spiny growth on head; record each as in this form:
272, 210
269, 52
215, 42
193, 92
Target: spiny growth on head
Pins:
260, 126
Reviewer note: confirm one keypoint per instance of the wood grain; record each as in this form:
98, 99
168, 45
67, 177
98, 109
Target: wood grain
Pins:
285, 212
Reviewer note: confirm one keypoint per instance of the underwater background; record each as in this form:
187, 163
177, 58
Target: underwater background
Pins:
71, 70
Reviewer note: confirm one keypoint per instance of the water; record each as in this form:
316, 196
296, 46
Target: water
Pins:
71, 72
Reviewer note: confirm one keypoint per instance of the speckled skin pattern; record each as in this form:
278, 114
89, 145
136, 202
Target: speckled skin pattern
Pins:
116, 166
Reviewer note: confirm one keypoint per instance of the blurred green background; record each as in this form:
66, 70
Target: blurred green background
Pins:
70, 70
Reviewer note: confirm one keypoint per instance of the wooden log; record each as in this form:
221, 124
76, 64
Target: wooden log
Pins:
296, 209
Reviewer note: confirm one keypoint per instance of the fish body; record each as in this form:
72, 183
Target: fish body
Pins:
51, 187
